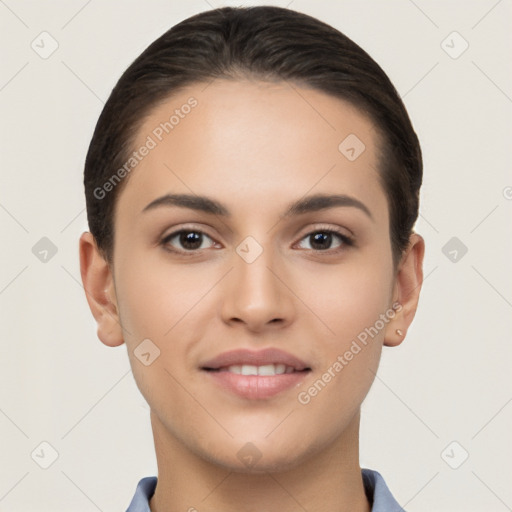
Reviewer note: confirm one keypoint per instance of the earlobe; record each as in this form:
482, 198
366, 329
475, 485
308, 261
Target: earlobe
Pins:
407, 290
99, 290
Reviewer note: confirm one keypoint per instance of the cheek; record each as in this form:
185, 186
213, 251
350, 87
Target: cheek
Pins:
168, 304
353, 304
347, 298
154, 297
156, 303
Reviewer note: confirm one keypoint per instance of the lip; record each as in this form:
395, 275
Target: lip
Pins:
257, 358
255, 387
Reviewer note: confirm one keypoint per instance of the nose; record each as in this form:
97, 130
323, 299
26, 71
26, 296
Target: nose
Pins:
257, 294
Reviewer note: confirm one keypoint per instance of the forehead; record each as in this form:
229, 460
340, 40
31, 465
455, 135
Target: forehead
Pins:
245, 142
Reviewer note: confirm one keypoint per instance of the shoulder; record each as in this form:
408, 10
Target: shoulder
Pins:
145, 489
378, 492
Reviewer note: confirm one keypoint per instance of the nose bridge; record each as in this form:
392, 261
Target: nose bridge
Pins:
256, 296
253, 261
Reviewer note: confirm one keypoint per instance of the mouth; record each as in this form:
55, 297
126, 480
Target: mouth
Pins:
266, 369
256, 375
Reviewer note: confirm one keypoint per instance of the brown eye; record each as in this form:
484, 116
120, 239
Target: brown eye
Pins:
322, 240
188, 240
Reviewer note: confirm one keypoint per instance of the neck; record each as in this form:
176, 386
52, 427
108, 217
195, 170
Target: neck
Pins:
329, 481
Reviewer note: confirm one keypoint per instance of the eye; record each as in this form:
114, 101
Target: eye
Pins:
190, 240
321, 240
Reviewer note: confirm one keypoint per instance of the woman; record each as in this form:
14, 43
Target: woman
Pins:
252, 186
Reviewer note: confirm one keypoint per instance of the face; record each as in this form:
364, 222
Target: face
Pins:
242, 282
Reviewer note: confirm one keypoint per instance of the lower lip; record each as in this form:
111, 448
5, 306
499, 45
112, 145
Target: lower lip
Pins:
256, 386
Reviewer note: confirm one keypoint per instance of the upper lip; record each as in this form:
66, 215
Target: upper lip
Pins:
256, 358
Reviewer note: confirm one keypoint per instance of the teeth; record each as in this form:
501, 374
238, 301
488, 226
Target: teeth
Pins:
267, 369
248, 369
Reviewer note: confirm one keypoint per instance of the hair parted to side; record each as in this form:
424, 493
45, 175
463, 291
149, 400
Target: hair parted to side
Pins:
266, 43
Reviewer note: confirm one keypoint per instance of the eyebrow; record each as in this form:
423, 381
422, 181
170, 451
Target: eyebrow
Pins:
313, 203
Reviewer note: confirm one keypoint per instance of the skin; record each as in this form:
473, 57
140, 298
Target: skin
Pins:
255, 147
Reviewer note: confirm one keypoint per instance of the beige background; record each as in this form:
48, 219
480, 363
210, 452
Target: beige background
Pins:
449, 381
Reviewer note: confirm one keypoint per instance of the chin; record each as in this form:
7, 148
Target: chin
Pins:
259, 456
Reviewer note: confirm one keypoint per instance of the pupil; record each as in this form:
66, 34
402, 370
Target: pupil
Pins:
189, 240
318, 237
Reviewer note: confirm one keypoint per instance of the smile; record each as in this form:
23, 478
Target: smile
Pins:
255, 375
249, 369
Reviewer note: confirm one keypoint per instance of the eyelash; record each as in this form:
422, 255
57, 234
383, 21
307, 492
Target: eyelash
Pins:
346, 240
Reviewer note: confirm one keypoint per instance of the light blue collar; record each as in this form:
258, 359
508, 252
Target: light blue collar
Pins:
375, 487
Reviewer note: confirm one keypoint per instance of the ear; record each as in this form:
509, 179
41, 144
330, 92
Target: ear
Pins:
406, 292
99, 290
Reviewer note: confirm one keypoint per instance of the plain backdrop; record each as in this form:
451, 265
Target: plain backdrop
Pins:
437, 420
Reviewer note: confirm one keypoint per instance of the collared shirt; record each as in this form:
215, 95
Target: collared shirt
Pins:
374, 485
